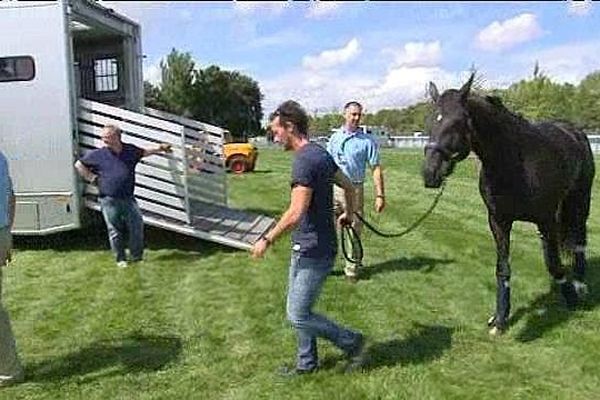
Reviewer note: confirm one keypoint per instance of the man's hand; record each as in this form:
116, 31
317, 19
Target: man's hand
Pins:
379, 203
165, 147
259, 248
345, 219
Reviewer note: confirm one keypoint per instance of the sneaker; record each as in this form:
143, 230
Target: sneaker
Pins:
356, 356
122, 264
290, 372
14, 380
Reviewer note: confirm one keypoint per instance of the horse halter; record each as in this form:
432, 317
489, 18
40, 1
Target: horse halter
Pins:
447, 155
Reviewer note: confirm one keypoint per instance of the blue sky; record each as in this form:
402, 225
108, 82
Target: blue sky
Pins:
324, 54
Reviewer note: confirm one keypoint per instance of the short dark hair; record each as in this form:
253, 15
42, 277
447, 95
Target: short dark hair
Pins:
292, 112
353, 103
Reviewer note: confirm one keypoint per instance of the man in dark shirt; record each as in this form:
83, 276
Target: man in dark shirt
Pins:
314, 242
112, 168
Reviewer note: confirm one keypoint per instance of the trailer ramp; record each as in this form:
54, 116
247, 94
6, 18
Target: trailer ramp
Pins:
184, 191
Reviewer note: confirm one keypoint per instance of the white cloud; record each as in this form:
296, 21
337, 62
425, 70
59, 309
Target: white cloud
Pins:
321, 9
569, 62
417, 54
332, 58
579, 8
251, 7
322, 91
403, 84
506, 34
152, 73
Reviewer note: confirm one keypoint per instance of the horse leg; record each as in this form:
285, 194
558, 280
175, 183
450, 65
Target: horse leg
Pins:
501, 231
579, 204
549, 233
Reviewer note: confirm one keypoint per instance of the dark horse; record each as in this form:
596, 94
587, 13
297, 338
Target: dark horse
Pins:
540, 173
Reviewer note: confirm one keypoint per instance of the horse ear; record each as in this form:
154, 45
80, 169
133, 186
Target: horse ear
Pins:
466, 88
433, 92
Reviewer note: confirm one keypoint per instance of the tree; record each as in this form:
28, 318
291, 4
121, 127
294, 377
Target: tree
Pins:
588, 102
228, 99
224, 98
541, 99
152, 97
178, 73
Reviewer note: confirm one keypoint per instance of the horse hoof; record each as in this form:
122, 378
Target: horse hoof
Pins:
495, 331
580, 288
570, 294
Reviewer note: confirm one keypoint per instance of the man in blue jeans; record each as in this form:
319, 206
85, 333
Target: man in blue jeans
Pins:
112, 168
11, 371
314, 242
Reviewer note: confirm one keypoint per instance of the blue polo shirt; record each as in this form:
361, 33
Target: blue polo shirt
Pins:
116, 171
352, 151
6, 190
315, 235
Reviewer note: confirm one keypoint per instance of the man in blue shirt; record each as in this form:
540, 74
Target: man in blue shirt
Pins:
11, 371
112, 168
352, 149
314, 243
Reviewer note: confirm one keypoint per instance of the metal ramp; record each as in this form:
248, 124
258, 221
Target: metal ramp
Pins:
184, 191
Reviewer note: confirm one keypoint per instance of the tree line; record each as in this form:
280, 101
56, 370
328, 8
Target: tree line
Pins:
232, 100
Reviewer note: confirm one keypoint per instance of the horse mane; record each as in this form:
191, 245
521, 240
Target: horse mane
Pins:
496, 106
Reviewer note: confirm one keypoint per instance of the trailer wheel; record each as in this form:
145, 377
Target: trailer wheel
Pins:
238, 164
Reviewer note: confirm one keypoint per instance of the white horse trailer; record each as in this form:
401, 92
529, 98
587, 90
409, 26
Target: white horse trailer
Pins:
69, 67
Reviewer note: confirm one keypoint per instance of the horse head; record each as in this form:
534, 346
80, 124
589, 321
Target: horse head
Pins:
450, 133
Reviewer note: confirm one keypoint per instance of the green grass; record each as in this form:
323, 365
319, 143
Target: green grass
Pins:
201, 321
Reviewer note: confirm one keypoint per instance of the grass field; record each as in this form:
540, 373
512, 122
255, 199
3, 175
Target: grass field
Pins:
201, 321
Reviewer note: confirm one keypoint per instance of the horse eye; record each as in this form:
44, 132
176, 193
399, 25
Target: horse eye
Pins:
439, 118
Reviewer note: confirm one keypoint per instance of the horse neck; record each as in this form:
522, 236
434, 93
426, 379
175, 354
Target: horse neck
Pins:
496, 134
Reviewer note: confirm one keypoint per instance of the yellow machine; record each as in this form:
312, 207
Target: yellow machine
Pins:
239, 157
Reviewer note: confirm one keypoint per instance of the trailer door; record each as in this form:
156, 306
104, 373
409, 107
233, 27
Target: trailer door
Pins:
36, 114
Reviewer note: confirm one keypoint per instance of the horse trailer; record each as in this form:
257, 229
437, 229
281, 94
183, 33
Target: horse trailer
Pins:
69, 67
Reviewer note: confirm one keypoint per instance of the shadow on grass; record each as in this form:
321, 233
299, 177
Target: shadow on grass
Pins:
428, 343
130, 354
93, 237
548, 310
427, 264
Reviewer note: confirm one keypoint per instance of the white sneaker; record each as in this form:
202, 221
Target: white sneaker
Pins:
122, 264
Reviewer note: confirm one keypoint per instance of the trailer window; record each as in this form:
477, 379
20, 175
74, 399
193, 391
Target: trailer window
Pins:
106, 75
20, 68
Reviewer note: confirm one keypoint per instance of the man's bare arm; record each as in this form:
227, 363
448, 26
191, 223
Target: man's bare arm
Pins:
299, 202
85, 172
161, 148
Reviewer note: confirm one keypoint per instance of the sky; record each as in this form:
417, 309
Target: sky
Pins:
382, 54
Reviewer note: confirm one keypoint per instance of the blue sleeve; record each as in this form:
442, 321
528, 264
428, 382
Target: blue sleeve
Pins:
373, 153
90, 159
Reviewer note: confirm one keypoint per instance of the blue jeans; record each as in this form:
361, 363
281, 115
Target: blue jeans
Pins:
122, 215
306, 278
